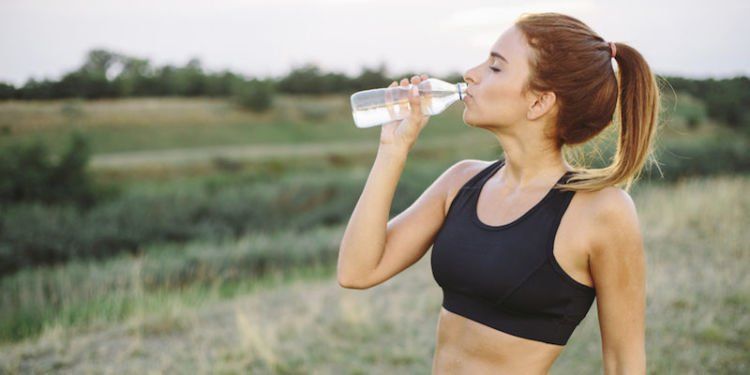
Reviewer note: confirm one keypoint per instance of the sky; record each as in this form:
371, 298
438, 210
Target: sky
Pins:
47, 38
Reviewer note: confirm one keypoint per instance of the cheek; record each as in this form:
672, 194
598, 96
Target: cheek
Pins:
497, 87
502, 98
501, 103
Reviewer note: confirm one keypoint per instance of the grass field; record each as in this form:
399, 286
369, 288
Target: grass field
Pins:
116, 126
698, 305
156, 124
267, 301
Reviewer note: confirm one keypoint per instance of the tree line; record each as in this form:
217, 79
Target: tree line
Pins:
106, 74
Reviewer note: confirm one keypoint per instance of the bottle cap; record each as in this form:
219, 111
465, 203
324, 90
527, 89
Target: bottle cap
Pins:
461, 88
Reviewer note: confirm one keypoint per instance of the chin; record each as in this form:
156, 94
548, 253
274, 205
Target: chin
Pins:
468, 120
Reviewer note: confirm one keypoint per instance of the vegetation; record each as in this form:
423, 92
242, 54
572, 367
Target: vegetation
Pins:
56, 209
107, 74
255, 95
84, 292
29, 174
187, 302
102, 259
726, 100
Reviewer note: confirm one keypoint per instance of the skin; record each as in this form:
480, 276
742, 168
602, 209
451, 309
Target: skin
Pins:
598, 243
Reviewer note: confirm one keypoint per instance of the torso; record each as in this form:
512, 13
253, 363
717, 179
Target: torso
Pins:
465, 346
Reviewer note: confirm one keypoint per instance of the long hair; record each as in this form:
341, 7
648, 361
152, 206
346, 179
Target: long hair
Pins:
571, 60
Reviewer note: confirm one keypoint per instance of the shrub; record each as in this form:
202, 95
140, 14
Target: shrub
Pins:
254, 95
28, 173
314, 112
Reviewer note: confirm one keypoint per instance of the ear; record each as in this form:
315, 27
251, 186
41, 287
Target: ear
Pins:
541, 104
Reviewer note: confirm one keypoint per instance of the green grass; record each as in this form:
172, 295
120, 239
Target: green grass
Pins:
696, 319
268, 303
116, 126
81, 293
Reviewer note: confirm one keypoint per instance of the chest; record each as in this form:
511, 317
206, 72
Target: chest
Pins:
530, 262
572, 239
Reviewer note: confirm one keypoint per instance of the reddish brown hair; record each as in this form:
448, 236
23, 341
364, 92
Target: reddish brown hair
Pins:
571, 60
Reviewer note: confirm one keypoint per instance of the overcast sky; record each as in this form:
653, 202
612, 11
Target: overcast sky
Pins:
46, 38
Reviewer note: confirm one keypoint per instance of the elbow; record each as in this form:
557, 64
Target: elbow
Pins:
350, 282
351, 285
344, 283
352, 277
348, 279
348, 285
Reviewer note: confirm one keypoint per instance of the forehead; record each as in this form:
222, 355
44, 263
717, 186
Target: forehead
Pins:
512, 45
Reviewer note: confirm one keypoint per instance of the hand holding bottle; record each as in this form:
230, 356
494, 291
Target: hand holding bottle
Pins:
402, 134
375, 107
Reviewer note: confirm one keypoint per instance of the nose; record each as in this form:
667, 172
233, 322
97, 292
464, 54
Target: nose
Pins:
469, 76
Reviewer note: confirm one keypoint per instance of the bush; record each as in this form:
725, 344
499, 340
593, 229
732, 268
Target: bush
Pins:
255, 95
29, 174
314, 112
33, 234
701, 157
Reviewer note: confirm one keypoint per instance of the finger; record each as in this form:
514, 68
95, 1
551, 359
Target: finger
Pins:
415, 99
403, 107
389, 100
426, 92
415, 81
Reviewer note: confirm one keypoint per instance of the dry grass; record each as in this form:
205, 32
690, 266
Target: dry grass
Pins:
154, 124
35, 116
698, 317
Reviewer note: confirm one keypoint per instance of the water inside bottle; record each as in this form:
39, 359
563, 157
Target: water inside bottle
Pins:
400, 109
379, 106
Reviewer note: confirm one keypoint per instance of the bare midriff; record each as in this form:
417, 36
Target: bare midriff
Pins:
464, 346
467, 347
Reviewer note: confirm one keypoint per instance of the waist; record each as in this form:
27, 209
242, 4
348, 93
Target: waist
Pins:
466, 346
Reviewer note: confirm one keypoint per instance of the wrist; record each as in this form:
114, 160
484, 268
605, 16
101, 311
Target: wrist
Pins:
393, 152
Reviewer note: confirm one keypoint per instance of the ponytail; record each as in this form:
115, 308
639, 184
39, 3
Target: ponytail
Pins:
590, 95
638, 108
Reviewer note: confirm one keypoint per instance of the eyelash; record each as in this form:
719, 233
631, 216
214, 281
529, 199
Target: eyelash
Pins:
494, 69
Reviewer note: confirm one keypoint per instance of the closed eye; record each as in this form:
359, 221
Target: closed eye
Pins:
495, 69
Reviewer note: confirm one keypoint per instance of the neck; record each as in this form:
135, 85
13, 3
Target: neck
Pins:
530, 163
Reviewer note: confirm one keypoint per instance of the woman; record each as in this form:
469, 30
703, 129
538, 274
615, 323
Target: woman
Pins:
522, 246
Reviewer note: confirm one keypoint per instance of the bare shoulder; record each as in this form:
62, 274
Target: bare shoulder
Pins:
465, 169
613, 203
458, 175
611, 214
608, 201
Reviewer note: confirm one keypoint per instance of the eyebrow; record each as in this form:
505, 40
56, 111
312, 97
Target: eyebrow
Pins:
499, 56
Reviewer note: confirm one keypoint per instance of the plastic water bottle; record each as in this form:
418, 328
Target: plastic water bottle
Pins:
380, 106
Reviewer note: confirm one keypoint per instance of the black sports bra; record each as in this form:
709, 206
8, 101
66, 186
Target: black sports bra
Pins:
506, 277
